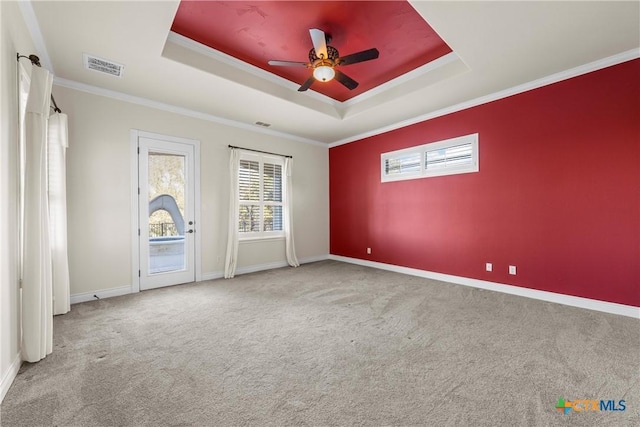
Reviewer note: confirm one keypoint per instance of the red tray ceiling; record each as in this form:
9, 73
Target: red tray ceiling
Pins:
256, 32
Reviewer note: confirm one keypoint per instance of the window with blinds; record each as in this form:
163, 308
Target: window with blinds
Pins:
249, 196
448, 157
260, 193
408, 163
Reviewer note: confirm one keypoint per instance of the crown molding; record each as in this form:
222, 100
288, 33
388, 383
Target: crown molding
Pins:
535, 84
179, 110
554, 78
31, 22
29, 16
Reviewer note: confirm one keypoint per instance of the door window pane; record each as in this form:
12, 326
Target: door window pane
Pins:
166, 212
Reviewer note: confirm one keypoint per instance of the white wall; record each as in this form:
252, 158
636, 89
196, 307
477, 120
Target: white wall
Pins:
99, 188
14, 38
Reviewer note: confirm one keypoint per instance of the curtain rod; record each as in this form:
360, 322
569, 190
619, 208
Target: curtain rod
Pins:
36, 61
260, 151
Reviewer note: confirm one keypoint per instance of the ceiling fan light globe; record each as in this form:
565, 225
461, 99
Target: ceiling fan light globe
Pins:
324, 73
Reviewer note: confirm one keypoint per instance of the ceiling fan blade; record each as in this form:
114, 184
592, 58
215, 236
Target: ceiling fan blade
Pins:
307, 84
289, 63
319, 42
365, 55
347, 81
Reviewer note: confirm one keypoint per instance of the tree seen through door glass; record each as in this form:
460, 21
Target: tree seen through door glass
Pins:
166, 176
166, 186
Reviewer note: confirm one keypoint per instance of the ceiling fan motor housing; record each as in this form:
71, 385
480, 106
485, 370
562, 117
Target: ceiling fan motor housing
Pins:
332, 54
324, 67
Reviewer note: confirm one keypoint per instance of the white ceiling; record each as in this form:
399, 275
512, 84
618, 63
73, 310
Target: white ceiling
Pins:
500, 49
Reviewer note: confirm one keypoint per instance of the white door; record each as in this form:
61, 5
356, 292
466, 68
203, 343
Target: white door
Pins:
166, 206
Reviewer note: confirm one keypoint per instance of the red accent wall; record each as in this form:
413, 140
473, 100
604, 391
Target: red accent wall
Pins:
557, 195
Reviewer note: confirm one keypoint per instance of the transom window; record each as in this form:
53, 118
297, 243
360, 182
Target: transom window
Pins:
448, 157
260, 193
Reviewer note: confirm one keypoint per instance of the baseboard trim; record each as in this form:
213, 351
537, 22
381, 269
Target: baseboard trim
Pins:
313, 259
262, 267
124, 290
279, 264
212, 276
9, 376
573, 301
107, 293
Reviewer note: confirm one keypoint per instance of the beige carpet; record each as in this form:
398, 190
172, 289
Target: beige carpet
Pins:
328, 344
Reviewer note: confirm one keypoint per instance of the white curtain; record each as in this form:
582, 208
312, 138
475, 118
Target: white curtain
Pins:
37, 314
234, 210
290, 247
57, 144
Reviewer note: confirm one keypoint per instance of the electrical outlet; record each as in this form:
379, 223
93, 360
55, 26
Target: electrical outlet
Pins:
512, 270
489, 266
369, 251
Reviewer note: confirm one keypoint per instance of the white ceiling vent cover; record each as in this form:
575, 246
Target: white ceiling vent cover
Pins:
103, 65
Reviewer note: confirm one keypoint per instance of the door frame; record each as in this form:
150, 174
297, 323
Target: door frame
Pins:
135, 134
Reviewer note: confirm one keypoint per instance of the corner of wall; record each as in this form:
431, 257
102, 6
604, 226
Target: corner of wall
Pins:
14, 38
7, 379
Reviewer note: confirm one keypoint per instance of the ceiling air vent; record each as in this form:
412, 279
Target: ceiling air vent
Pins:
103, 65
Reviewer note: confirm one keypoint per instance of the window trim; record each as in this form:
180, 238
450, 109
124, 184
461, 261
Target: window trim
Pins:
262, 235
474, 166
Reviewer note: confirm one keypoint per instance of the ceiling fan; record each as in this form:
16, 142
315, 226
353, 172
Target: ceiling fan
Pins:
324, 59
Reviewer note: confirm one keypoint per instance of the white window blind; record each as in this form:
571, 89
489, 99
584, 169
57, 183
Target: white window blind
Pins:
260, 197
249, 194
403, 164
447, 157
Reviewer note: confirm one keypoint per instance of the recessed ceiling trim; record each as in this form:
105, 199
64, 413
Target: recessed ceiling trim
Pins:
94, 90
219, 72
406, 77
210, 52
341, 108
535, 84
